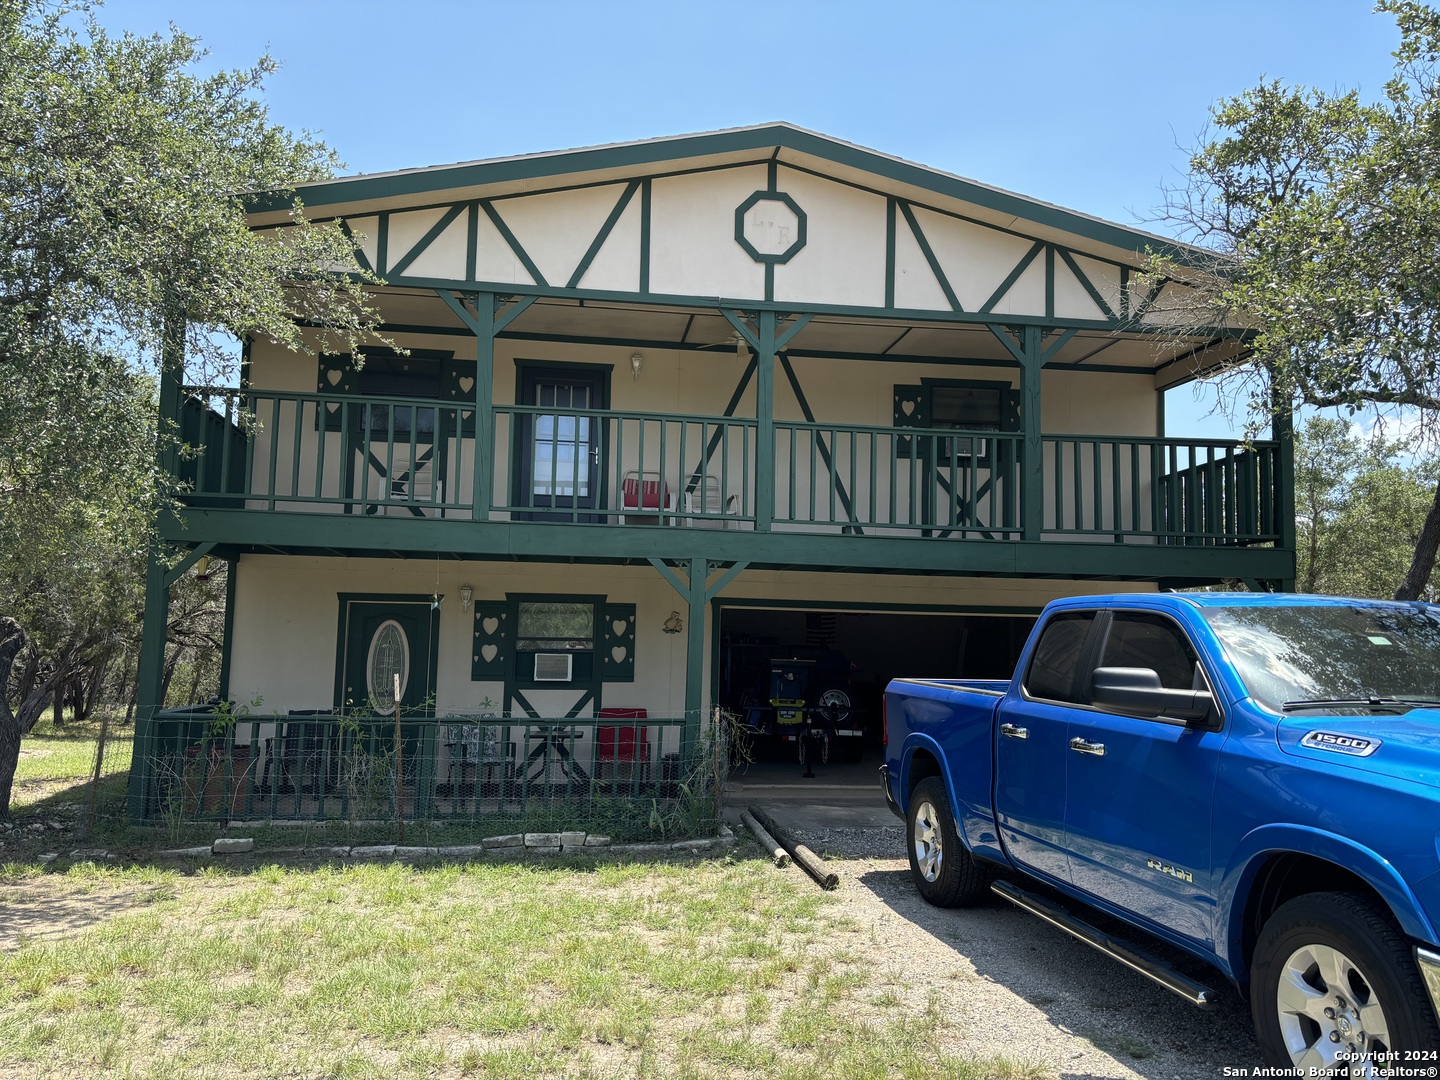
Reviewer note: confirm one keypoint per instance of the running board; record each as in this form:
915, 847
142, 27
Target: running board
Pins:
1152, 967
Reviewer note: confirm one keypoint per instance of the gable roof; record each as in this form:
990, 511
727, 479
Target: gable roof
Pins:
776, 141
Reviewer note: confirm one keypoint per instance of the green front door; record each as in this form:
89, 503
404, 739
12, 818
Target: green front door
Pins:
383, 637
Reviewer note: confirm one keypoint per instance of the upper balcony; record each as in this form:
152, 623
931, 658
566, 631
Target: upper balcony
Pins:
267, 453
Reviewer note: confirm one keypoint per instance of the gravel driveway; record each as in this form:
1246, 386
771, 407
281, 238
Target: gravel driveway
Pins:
1024, 987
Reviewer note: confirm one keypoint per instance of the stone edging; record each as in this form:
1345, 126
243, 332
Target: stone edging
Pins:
521, 845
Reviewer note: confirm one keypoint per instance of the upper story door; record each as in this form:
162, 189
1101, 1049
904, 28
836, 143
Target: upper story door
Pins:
560, 450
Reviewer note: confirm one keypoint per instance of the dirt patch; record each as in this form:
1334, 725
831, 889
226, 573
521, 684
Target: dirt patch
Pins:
44, 908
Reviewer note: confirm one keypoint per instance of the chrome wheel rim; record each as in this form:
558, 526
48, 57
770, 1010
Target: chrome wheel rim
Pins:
1328, 1007
929, 850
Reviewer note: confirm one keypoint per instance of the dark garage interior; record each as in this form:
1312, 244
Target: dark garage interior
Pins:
876, 646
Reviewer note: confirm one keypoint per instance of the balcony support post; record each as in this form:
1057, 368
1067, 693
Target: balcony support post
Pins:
484, 453
1282, 430
1032, 454
765, 423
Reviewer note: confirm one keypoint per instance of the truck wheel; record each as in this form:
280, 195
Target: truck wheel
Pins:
944, 873
1332, 974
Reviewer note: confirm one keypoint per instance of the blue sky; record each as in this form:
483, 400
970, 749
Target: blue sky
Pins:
1084, 103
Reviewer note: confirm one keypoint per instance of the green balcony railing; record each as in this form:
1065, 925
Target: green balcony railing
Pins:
286, 451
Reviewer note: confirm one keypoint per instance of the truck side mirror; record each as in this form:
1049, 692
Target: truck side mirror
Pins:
1138, 691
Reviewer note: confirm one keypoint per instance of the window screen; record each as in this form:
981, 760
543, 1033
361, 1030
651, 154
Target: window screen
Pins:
1056, 663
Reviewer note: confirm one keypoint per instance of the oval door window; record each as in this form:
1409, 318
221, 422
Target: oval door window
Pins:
389, 656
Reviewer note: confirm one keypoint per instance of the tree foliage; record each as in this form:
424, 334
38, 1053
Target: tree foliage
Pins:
1360, 504
123, 179
1323, 214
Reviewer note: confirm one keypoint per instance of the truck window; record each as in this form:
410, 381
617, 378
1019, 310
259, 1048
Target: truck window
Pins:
1140, 639
1056, 664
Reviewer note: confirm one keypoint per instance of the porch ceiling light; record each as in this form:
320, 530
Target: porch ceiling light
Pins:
466, 595
635, 361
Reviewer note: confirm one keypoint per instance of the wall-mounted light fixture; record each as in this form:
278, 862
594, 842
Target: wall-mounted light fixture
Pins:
673, 625
636, 360
202, 569
466, 595
741, 352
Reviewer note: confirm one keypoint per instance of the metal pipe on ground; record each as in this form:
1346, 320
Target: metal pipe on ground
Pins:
768, 842
813, 864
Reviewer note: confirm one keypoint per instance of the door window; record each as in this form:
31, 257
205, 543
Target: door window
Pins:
1139, 639
389, 656
561, 449
1054, 669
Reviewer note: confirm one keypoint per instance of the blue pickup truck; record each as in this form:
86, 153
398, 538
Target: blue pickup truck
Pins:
1254, 779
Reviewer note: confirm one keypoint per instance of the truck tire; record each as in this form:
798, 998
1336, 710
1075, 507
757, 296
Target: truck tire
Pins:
1332, 974
945, 874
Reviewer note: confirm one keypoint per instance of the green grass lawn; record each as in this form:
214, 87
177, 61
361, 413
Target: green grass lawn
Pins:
58, 761
697, 968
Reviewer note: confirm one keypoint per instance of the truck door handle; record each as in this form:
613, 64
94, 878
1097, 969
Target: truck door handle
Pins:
1081, 746
1014, 731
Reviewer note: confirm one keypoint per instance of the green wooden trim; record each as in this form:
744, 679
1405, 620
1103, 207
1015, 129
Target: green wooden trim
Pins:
194, 555
513, 312
890, 251
227, 640
801, 231
1005, 338
719, 436
360, 256
472, 238
1085, 281
763, 138
1056, 345
611, 669
498, 667
794, 327
463, 313
820, 443
645, 205
515, 246
1160, 414
1013, 277
921, 315
514, 694
1032, 453
388, 537
765, 421
742, 328
715, 588
694, 658
431, 235
586, 698
930, 258
676, 582
1049, 281
1125, 293
604, 234
1148, 299
382, 242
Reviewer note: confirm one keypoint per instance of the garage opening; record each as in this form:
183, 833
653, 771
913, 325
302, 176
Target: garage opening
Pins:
777, 663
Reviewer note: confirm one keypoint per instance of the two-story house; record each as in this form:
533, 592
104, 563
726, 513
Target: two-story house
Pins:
666, 406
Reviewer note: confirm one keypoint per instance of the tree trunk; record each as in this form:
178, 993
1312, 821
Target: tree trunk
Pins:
59, 706
14, 724
1426, 546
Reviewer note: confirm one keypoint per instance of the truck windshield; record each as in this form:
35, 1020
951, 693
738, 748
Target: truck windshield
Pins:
1337, 658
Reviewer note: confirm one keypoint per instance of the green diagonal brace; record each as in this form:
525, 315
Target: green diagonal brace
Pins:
698, 475
712, 591
176, 572
819, 441
403, 263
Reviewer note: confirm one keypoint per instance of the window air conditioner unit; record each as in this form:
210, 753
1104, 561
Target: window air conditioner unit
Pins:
553, 667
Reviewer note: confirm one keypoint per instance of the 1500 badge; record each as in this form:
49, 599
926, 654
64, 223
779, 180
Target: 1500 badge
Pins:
1172, 871
1355, 745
